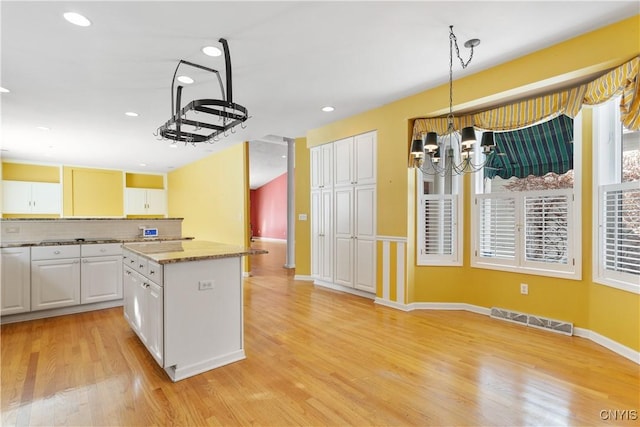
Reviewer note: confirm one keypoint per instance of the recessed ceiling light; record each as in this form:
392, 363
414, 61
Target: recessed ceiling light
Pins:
143, 164
131, 114
284, 157
43, 128
185, 79
77, 19
328, 109
3, 90
174, 145
211, 51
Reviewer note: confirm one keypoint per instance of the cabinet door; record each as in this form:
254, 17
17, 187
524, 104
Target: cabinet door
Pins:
154, 325
326, 165
364, 153
55, 283
365, 265
316, 224
365, 211
129, 284
316, 167
16, 281
16, 197
156, 202
101, 279
140, 301
344, 236
136, 199
343, 161
326, 246
46, 198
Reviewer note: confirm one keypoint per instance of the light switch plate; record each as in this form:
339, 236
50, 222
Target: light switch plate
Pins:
206, 285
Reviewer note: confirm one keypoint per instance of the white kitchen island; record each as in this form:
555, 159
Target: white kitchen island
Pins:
184, 301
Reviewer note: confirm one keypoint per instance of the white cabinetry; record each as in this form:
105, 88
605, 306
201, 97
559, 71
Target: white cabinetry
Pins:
55, 276
145, 201
322, 234
101, 272
143, 302
348, 211
322, 166
16, 281
355, 160
20, 197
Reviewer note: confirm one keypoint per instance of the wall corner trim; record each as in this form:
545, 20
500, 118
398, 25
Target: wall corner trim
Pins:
605, 342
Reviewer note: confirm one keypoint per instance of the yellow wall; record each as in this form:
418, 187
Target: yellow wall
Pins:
582, 302
28, 172
303, 206
92, 192
140, 180
210, 195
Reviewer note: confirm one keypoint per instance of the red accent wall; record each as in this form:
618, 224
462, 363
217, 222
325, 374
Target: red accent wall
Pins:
269, 209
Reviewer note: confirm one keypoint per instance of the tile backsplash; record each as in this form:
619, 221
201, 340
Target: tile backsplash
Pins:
36, 230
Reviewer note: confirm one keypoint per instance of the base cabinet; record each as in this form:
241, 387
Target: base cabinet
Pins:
16, 281
55, 283
101, 272
189, 317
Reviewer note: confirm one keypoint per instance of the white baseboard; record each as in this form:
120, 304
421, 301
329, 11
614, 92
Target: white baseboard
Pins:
607, 343
270, 239
344, 289
74, 309
303, 277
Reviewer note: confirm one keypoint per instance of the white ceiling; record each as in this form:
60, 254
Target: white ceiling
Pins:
289, 59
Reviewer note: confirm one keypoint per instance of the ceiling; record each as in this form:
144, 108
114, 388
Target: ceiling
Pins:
289, 60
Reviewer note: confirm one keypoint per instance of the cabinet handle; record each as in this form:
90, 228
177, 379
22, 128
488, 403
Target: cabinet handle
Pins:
103, 250
85, 261
152, 272
56, 252
132, 261
77, 261
141, 265
128, 272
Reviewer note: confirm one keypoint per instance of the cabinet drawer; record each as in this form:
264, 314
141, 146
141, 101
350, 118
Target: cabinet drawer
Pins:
130, 259
101, 249
154, 272
141, 265
55, 252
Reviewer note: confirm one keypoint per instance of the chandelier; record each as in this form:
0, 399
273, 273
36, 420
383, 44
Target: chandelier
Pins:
453, 152
203, 120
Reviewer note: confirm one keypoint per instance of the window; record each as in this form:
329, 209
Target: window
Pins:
616, 200
439, 218
524, 217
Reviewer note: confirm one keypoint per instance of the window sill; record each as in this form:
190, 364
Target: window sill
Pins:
569, 275
623, 286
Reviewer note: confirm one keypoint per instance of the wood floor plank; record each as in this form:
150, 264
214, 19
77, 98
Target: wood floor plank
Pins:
315, 357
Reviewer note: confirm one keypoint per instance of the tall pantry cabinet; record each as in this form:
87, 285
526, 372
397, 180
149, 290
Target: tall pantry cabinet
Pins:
343, 212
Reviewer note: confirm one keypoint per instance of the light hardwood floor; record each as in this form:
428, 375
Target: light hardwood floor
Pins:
317, 357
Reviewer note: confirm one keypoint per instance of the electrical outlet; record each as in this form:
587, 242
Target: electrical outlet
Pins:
524, 289
302, 217
206, 285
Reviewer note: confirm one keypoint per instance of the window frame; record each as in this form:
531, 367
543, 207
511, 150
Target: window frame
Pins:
573, 269
607, 176
455, 258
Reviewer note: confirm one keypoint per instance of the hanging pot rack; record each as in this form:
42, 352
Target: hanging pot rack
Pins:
220, 115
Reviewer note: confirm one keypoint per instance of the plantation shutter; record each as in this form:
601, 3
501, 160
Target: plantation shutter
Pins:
546, 220
497, 231
439, 220
621, 231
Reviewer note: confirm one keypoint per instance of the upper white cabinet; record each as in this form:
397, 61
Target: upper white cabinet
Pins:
19, 197
145, 201
322, 166
16, 281
355, 160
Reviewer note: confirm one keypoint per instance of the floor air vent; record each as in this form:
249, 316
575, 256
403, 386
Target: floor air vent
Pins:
533, 321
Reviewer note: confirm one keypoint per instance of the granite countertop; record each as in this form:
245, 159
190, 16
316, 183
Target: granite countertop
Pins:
72, 218
90, 241
189, 250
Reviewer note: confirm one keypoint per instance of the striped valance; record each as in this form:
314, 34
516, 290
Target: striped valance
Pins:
622, 80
